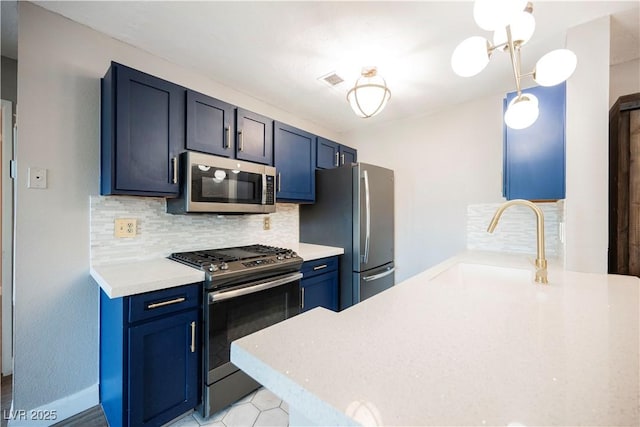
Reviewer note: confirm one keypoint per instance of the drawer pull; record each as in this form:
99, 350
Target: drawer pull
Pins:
164, 303
193, 337
320, 267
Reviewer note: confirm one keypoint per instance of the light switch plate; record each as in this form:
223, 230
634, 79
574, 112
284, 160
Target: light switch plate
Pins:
37, 178
125, 227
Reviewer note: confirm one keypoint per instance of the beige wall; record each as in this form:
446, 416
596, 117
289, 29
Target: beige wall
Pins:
56, 303
625, 79
587, 203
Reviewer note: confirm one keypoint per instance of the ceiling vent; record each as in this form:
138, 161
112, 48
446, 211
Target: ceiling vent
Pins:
331, 79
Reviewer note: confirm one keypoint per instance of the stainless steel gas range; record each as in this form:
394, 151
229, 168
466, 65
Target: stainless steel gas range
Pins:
246, 288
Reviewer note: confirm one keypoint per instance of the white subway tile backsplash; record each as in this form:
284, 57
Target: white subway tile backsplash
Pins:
516, 231
158, 233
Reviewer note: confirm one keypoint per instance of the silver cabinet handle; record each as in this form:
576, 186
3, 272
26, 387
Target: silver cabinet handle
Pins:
302, 298
337, 159
379, 275
279, 181
319, 267
240, 141
342, 157
252, 288
227, 131
175, 169
193, 337
165, 303
367, 198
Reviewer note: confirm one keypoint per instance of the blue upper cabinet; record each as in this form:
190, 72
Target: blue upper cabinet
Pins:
254, 141
210, 125
295, 159
332, 155
143, 132
534, 158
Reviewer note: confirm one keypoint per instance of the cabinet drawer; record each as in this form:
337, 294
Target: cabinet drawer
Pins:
158, 303
319, 266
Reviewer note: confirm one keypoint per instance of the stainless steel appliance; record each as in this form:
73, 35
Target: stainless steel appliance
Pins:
246, 289
220, 185
354, 210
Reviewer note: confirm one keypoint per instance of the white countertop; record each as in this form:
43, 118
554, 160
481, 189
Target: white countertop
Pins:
136, 277
472, 341
123, 279
309, 252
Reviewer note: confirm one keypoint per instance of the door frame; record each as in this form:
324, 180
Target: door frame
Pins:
7, 233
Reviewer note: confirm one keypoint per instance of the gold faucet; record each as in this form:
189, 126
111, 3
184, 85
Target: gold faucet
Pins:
541, 262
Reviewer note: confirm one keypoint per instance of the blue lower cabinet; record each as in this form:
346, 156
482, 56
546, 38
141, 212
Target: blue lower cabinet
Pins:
319, 285
149, 365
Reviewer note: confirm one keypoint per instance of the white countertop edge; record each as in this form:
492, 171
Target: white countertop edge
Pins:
125, 279
296, 396
310, 251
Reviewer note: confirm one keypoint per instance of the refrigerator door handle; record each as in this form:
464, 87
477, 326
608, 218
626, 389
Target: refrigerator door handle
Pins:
379, 275
367, 199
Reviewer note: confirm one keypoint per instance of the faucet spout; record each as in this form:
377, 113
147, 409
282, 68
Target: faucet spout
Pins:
541, 261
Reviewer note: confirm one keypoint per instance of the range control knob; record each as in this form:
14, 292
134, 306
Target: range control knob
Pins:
213, 268
224, 266
279, 257
287, 255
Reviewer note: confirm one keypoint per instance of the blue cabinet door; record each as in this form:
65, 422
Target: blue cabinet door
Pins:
534, 158
320, 291
328, 156
319, 284
332, 155
163, 369
143, 129
210, 125
254, 140
348, 155
295, 159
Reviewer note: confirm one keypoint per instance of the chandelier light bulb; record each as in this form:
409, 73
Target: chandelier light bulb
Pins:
523, 26
370, 94
555, 67
522, 111
493, 14
471, 56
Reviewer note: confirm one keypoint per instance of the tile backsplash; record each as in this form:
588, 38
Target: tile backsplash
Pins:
158, 233
516, 231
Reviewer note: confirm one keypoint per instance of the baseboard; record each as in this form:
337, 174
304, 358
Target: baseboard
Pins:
56, 411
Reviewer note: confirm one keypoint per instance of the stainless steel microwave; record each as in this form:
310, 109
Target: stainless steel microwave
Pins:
221, 185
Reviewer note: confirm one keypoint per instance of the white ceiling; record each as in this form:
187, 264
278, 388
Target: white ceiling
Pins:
275, 51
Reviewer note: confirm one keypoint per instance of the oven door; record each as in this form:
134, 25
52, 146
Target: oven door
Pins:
233, 313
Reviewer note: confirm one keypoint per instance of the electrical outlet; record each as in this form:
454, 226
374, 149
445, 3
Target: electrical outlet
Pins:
266, 224
37, 178
125, 227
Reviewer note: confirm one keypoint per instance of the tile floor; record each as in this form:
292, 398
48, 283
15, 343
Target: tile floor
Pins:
258, 409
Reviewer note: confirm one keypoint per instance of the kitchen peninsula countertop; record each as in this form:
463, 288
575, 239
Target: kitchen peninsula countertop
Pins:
130, 278
471, 341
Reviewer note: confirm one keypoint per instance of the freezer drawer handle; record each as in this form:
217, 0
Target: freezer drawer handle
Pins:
379, 275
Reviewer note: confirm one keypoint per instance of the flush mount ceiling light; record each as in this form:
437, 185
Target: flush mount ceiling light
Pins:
513, 25
370, 94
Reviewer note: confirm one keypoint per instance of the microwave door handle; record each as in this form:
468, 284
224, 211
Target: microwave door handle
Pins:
367, 201
264, 188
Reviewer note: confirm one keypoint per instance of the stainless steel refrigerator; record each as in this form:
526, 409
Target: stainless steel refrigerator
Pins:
354, 210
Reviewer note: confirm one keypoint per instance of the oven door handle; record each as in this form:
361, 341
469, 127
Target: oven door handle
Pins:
260, 286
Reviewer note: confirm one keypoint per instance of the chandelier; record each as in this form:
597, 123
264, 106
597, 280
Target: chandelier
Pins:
513, 25
370, 94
